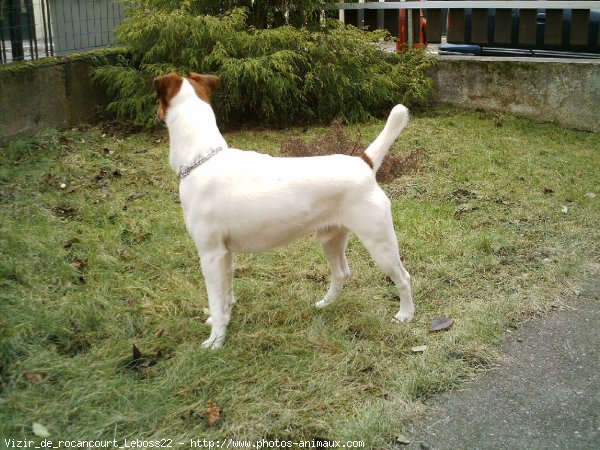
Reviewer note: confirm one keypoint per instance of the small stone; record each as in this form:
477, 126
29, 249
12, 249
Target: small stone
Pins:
402, 440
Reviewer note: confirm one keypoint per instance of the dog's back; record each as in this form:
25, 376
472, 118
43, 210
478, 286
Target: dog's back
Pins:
264, 201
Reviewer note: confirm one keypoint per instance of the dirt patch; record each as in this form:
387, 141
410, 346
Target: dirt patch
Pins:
338, 141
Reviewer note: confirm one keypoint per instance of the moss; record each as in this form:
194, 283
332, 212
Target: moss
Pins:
101, 56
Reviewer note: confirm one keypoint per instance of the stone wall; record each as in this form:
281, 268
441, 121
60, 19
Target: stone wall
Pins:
60, 94
56, 94
563, 91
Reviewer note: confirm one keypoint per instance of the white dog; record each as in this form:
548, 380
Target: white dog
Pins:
242, 201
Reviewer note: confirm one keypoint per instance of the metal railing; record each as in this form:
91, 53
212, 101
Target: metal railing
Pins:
31, 29
559, 25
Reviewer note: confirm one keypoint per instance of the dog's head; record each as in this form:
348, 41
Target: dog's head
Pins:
168, 86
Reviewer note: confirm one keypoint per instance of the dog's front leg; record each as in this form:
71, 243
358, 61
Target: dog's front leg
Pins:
229, 284
216, 273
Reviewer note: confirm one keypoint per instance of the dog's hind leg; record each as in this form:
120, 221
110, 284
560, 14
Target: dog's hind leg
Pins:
229, 280
334, 241
216, 268
375, 229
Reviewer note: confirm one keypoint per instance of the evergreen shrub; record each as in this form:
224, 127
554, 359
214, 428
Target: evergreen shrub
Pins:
277, 76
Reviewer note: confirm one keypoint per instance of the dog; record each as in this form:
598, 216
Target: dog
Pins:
242, 201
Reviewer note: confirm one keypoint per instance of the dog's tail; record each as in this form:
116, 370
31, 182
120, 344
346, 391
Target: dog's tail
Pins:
396, 122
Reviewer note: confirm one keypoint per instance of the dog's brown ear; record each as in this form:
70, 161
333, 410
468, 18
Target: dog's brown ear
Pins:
159, 85
166, 87
204, 85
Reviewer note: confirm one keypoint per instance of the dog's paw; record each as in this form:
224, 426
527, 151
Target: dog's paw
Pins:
403, 317
214, 344
322, 303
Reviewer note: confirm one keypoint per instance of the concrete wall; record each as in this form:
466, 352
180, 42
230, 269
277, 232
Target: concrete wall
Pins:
53, 95
61, 95
550, 90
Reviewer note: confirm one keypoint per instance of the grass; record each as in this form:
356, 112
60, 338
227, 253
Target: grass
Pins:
497, 225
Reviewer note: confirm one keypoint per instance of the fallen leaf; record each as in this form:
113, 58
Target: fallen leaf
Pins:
441, 323
139, 361
68, 244
51, 179
548, 191
191, 415
141, 238
76, 326
462, 194
40, 430
590, 195
35, 377
357, 331
79, 264
65, 211
419, 348
564, 209
212, 413
159, 333
137, 354
100, 175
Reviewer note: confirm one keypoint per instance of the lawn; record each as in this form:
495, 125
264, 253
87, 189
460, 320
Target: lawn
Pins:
497, 222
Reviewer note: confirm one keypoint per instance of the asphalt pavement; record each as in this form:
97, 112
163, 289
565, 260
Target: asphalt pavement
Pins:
544, 394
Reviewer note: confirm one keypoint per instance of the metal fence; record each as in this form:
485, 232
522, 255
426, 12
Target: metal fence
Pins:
554, 25
31, 29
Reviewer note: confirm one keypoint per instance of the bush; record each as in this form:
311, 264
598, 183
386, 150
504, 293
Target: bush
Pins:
272, 76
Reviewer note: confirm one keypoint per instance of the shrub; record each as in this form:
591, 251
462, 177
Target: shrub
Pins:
271, 76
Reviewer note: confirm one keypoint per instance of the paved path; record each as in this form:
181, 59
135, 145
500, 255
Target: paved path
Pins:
544, 395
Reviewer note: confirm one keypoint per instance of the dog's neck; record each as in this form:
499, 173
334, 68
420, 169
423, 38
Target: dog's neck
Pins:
193, 131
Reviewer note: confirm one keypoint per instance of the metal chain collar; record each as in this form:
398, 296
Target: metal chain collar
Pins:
185, 169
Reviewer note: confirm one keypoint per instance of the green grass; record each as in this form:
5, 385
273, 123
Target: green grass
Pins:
481, 229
